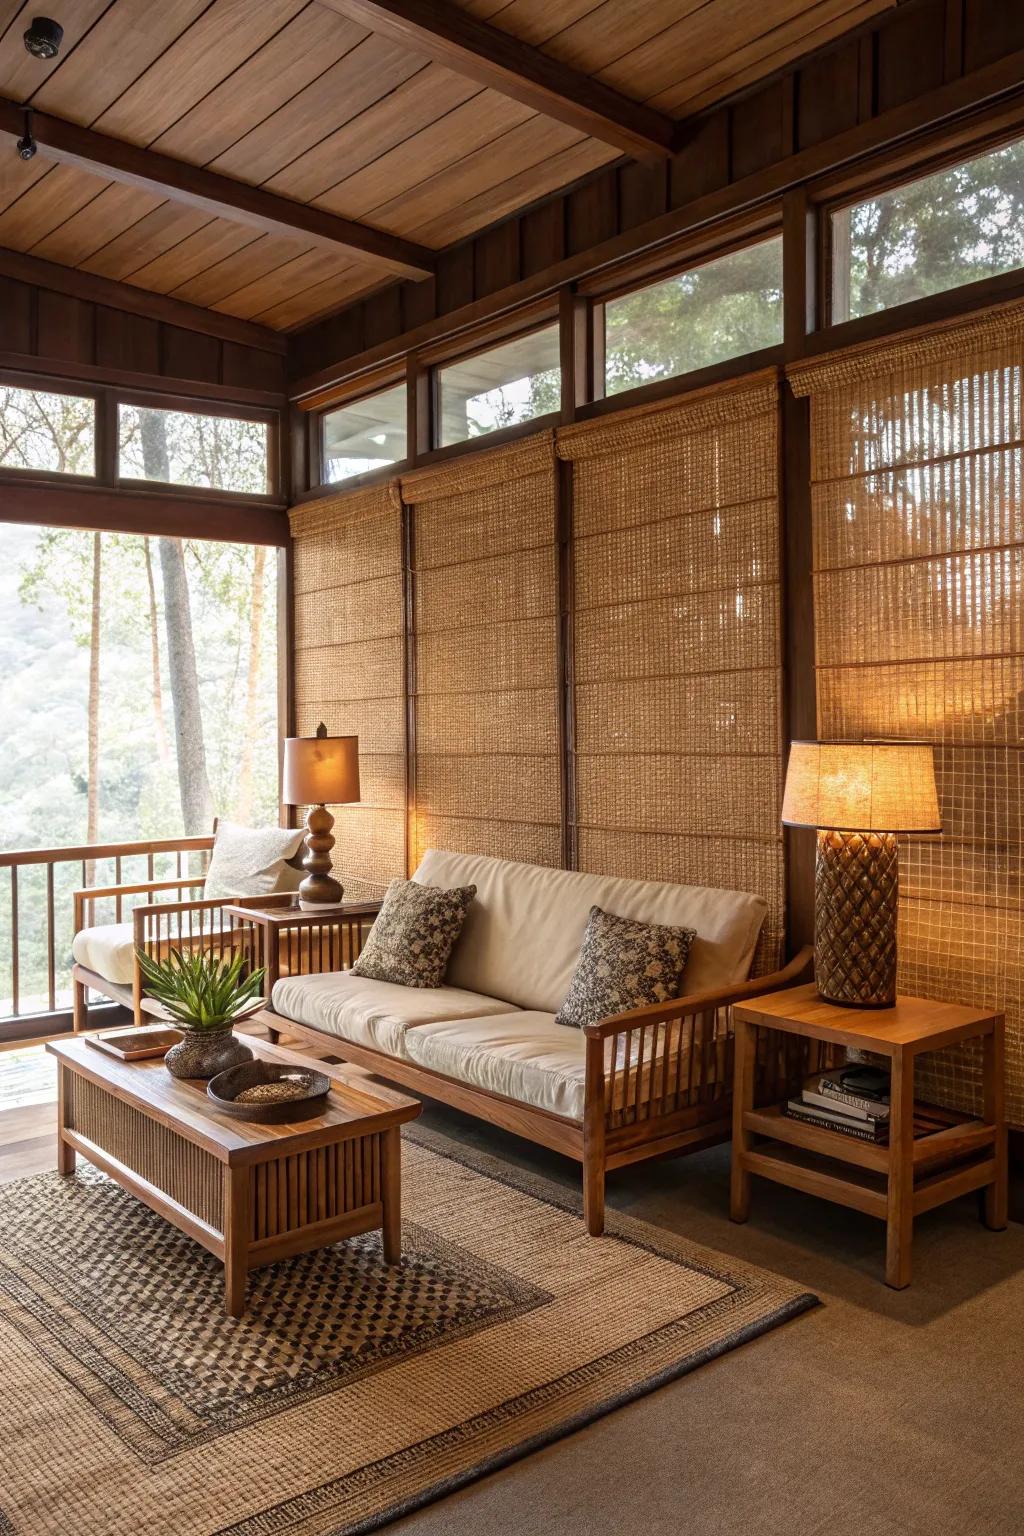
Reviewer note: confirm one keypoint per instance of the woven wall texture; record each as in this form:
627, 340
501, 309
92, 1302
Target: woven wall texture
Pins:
677, 645
919, 621
486, 769
350, 671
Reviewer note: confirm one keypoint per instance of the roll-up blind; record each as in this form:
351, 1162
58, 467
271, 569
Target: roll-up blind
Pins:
350, 670
919, 624
486, 774
676, 646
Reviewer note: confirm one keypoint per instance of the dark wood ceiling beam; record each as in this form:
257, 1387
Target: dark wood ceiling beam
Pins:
220, 196
483, 52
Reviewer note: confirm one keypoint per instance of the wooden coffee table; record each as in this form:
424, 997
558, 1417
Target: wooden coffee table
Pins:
250, 1193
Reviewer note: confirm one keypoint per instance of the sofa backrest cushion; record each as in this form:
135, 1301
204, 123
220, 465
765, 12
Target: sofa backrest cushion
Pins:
522, 936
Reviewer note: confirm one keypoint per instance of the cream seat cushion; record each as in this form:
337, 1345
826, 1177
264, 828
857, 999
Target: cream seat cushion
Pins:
527, 1057
522, 935
524, 1056
378, 1014
107, 950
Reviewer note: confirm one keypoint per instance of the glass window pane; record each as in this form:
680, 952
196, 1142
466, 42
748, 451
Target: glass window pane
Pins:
939, 232
366, 435
512, 383
219, 453
723, 309
140, 701
39, 430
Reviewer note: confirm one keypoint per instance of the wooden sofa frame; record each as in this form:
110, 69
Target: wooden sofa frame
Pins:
664, 1084
199, 922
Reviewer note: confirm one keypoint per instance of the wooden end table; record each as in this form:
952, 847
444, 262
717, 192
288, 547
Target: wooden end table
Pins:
289, 941
911, 1174
249, 1193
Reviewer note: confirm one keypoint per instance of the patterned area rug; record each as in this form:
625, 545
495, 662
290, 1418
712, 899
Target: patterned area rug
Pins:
350, 1393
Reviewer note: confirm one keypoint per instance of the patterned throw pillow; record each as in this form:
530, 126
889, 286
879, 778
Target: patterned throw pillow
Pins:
414, 933
624, 964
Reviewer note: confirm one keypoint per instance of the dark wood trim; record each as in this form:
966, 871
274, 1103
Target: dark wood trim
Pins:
365, 482
194, 186
479, 51
947, 307
25, 268
488, 440
682, 383
969, 107
116, 510
575, 352
565, 652
409, 673
800, 715
71, 376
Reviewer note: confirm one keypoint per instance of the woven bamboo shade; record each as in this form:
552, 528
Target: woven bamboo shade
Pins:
677, 645
486, 768
350, 668
919, 557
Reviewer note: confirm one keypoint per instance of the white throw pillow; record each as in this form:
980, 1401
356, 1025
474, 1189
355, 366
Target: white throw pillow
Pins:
254, 861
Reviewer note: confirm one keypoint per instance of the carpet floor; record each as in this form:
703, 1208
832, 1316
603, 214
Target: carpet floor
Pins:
350, 1393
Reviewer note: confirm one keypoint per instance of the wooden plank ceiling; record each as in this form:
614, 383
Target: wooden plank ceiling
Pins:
302, 99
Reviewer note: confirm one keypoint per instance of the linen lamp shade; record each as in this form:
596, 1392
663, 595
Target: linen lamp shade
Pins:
321, 770
872, 787
859, 795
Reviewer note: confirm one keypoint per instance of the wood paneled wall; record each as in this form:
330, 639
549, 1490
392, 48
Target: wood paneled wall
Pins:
44, 329
905, 54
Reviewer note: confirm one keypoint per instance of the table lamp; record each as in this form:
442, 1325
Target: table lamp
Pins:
858, 796
320, 770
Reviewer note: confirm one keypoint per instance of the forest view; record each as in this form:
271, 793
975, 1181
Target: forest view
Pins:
140, 673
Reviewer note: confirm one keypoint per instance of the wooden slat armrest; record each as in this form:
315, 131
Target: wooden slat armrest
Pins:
703, 1002
90, 894
139, 888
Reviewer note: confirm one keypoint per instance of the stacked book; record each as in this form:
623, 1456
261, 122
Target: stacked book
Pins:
853, 1100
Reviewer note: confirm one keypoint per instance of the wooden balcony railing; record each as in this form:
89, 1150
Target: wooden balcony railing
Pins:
37, 917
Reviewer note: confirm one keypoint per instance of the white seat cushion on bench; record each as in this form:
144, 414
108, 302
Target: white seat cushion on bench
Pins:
527, 1057
522, 935
108, 950
377, 1014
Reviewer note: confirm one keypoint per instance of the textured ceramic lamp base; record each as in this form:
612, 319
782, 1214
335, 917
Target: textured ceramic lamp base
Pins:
856, 889
319, 887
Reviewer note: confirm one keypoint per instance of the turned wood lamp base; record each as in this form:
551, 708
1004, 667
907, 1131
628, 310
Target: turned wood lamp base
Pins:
319, 887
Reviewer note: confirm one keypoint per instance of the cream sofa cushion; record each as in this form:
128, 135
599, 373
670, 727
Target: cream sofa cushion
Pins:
522, 935
524, 1056
527, 1057
377, 1014
254, 861
108, 950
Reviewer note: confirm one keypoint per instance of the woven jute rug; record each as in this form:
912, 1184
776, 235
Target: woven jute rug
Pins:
350, 1393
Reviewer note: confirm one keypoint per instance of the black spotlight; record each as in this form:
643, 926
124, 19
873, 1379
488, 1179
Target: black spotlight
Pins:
27, 144
43, 38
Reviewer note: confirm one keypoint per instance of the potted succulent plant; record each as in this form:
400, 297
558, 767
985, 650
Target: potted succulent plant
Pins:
206, 996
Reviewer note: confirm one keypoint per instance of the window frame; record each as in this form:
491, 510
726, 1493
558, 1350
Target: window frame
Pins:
316, 430
39, 384
700, 254
107, 398
193, 407
941, 150
536, 320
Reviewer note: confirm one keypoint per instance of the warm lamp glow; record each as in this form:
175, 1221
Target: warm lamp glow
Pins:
859, 787
321, 770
